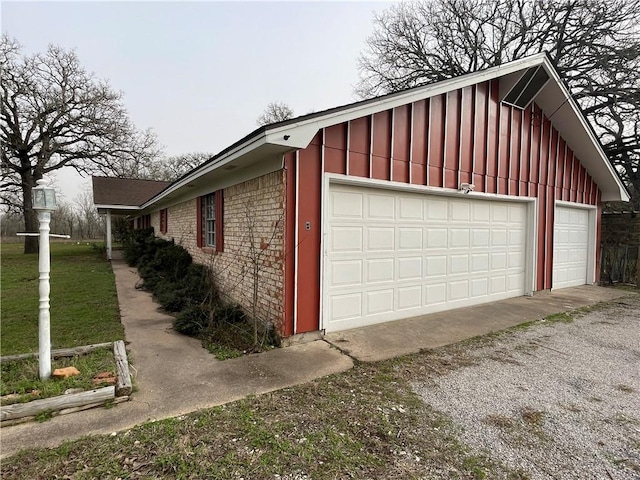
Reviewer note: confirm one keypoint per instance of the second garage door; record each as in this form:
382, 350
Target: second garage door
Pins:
570, 246
393, 255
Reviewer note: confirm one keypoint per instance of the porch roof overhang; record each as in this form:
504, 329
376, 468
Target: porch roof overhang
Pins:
118, 209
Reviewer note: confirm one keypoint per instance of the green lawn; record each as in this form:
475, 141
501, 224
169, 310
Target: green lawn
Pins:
84, 306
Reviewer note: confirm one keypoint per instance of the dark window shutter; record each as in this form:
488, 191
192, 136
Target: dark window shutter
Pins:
219, 199
199, 225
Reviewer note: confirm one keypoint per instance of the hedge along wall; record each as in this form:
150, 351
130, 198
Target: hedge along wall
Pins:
253, 215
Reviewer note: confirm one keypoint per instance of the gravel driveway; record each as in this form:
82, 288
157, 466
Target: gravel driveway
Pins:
555, 401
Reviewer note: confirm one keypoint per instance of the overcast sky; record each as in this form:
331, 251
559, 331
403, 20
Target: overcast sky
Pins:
200, 73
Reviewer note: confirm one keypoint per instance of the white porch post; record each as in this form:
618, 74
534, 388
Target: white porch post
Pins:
44, 318
108, 234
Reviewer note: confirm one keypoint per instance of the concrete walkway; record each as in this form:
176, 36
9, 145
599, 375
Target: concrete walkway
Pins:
393, 339
174, 375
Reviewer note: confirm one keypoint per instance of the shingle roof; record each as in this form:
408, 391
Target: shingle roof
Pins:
125, 191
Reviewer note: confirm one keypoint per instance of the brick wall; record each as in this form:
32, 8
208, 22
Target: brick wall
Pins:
253, 235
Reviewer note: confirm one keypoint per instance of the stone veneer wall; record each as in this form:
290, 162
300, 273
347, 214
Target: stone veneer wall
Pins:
253, 230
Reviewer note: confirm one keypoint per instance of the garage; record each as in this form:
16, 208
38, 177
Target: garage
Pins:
572, 237
396, 254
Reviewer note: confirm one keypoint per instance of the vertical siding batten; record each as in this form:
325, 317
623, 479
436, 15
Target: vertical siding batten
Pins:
473, 133
460, 130
391, 157
290, 249
499, 146
445, 122
510, 155
348, 147
485, 171
308, 287
411, 141
321, 232
427, 131
371, 146
296, 243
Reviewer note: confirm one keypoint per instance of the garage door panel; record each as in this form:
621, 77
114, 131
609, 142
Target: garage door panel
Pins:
460, 211
517, 214
409, 297
436, 266
571, 246
499, 213
481, 212
480, 237
515, 282
479, 287
437, 238
498, 284
410, 209
516, 259
379, 301
516, 237
410, 238
458, 264
458, 290
435, 294
409, 268
379, 270
380, 239
346, 272
436, 209
346, 239
418, 254
346, 306
480, 263
459, 238
347, 205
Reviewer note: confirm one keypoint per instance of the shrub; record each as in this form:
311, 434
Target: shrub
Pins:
192, 321
186, 288
136, 245
163, 261
228, 313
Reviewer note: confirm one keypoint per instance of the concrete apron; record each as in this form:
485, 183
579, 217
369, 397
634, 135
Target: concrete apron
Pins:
174, 375
402, 337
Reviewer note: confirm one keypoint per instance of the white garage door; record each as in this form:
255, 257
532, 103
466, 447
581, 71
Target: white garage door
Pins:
570, 247
393, 255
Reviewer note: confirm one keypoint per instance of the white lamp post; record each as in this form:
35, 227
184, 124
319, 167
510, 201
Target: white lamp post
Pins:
44, 202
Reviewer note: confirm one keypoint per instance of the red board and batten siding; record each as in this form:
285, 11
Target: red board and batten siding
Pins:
466, 135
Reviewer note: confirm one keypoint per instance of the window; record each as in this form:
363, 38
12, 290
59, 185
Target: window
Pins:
210, 221
143, 221
163, 220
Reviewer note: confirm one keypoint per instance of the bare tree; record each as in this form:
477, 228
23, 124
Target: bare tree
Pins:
171, 168
275, 112
54, 114
594, 44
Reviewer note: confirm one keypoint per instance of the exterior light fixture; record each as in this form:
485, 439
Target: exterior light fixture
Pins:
44, 198
466, 188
